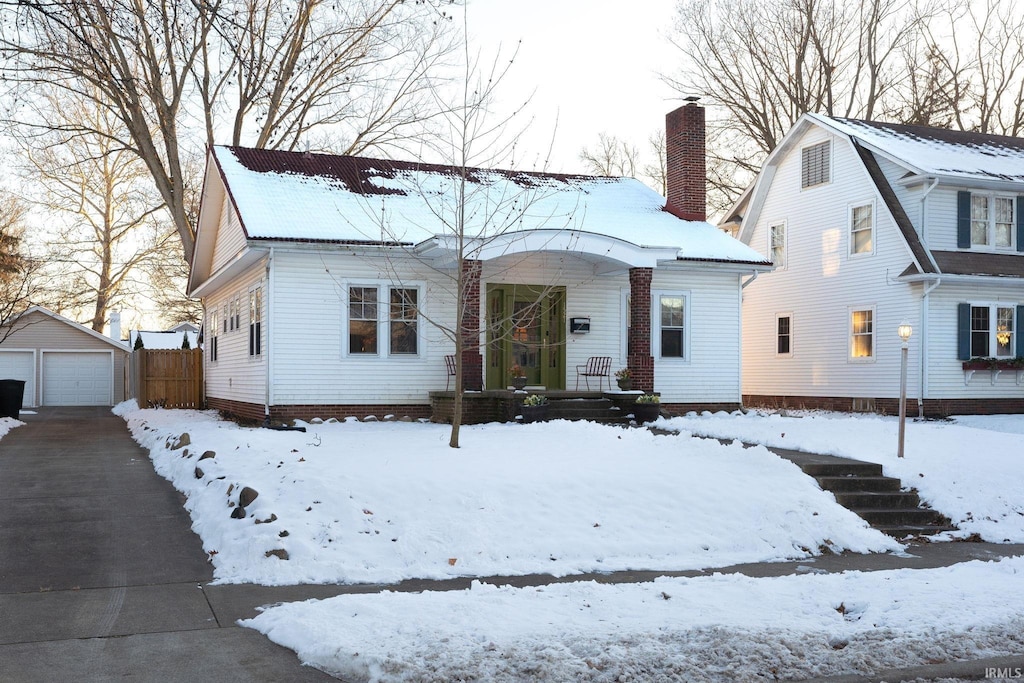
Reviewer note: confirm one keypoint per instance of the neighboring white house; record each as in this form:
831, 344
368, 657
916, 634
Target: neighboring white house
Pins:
62, 362
870, 225
170, 339
324, 279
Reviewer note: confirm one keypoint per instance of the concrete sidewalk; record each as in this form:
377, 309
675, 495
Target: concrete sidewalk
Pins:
101, 576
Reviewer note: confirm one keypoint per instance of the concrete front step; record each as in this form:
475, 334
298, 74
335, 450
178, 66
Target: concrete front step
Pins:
852, 468
905, 517
853, 483
905, 530
873, 500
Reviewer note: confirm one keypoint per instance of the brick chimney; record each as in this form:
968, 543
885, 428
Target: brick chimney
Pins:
685, 163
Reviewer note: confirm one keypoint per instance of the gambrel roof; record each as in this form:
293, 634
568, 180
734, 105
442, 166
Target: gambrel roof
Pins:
963, 159
304, 197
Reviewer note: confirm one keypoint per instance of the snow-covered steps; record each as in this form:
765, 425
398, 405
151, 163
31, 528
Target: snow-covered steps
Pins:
883, 502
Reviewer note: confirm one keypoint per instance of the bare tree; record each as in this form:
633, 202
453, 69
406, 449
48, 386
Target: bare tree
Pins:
108, 221
610, 157
17, 269
354, 71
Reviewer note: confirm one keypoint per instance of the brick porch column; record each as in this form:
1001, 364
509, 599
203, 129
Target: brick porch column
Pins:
640, 361
472, 359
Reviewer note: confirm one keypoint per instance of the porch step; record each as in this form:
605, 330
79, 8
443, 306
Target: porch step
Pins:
860, 487
601, 410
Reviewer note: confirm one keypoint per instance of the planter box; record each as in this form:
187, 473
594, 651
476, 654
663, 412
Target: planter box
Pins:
536, 413
646, 412
990, 365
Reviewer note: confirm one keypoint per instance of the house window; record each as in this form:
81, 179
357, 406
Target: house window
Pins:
404, 321
234, 315
862, 334
815, 164
673, 318
213, 325
362, 320
992, 331
862, 229
256, 321
986, 220
783, 335
224, 319
777, 245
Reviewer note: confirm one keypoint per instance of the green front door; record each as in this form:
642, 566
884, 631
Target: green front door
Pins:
526, 327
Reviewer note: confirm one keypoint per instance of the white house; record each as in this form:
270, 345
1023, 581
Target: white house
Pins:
870, 225
327, 281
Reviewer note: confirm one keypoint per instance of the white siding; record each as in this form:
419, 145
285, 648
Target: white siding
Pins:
230, 237
940, 228
822, 282
235, 376
710, 372
945, 370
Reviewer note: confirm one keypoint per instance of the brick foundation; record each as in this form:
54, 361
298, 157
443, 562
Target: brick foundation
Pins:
933, 407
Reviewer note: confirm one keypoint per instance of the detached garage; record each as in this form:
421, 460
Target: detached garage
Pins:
63, 363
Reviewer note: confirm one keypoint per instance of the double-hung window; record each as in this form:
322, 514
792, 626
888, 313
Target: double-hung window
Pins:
862, 334
256, 321
404, 332
862, 228
992, 331
672, 319
362, 320
777, 244
987, 221
784, 334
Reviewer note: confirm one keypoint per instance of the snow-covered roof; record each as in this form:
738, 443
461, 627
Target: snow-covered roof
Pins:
937, 151
163, 340
318, 197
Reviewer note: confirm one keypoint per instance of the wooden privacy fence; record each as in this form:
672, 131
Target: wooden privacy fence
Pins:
167, 378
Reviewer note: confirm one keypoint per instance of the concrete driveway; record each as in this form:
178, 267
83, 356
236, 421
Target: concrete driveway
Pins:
101, 576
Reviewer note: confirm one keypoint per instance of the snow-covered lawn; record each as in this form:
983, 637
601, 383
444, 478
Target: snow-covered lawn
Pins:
969, 468
379, 502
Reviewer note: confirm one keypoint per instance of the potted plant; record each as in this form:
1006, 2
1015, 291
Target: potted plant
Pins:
994, 363
536, 408
624, 378
517, 376
647, 408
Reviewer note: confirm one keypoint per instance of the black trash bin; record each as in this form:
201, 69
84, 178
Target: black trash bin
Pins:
12, 392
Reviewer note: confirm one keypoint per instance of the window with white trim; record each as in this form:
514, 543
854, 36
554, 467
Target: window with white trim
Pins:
404, 321
777, 244
862, 334
862, 229
784, 334
256, 321
992, 331
362, 320
816, 164
672, 323
993, 221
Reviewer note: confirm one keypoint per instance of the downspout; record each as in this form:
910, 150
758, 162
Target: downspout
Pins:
752, 278
268, 300
743, 285
924, 347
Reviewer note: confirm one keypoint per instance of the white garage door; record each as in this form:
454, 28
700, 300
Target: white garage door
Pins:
20, 365
77, 379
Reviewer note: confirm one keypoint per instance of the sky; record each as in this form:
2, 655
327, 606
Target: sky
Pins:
593, 67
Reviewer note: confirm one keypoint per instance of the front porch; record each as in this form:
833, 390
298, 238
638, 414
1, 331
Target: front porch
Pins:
503, 405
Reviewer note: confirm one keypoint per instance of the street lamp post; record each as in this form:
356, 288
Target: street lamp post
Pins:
904, 331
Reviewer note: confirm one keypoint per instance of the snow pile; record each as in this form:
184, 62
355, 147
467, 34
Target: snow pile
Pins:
7, 424
965, 468
719, 628
381, 502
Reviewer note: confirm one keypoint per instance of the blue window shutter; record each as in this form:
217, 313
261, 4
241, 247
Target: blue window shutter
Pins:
1017, 331
1020, 235
963, 331
963, 220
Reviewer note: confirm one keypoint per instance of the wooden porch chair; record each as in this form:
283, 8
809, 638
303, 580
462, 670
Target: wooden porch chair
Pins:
596, 366
449, 362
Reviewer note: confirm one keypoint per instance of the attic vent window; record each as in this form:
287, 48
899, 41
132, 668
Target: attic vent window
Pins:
816, 161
